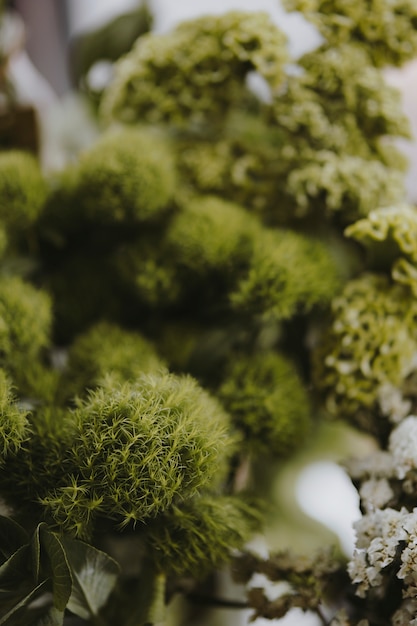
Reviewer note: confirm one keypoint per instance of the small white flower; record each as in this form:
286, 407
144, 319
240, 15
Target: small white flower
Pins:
403, 446
375, 493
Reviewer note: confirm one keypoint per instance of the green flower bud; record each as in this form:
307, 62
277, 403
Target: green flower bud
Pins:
289, 273
22, 189
194, 538
267, 401
137, 449
128, 175
210, 234
106, 348
14, 426
25, 320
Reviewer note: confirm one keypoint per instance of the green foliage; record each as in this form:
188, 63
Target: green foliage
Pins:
210, 234
14, 426
370, 344
108, 348
25, 320
289, 273
128, 175
389, 236
267, 401
137, 448
76, 576
23, 189
193, 538
196, 72
347, 184
386, 27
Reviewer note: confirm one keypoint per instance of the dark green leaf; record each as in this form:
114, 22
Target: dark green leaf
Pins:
35, 546
12, 537
94, 575
16, 569
149, 607
13, 617
54, 617
56, 566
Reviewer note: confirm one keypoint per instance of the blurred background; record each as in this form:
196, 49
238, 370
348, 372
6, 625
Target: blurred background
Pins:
57, 48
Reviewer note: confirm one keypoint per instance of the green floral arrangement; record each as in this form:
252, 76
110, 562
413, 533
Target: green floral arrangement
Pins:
184, 302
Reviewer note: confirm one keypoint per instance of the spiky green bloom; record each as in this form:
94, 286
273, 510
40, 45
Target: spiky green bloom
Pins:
196, 72
137, 449
14, 426
387, 28
23, 189
289, 273
210, 234
194, 538
107, 348
128, 175
370, 344
25, 320
267, 401
390, 236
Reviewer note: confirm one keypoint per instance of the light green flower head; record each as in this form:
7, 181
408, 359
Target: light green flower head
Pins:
343, 184
109, 349
267, 401
25, 319
137, 449
289, 273
196, 72
371, 345
210, 234
387, 28
128, 175
389, 235
194, 538
23, 189
14, 426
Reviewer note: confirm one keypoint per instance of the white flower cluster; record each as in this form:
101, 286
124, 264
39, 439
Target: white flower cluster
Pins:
381, 469
384, 537
403, 446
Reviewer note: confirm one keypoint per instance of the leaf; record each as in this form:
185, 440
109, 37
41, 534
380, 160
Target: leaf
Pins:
94, 575
13, 616
150, 600
35, 546
15, 569
54, 617
12, 537
57, 566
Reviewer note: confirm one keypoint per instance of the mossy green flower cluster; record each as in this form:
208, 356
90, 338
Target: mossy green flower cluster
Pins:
175, 302
201, 69
386, 27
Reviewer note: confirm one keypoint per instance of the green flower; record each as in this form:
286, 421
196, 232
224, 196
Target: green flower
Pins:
23, 189
369, 346
14, 426
267, 401
196, 72
387, 28
128, 175
107, 348
137, 449
194, 538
